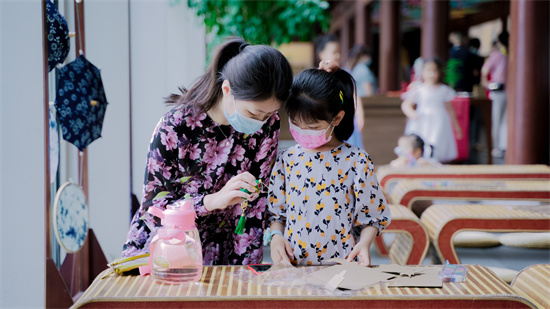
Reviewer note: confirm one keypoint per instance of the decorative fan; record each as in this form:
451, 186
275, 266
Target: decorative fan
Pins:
70, 217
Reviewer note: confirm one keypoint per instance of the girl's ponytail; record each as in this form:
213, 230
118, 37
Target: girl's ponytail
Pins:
346, 84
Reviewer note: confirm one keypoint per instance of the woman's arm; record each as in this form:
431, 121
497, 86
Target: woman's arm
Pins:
359, 114
452, 115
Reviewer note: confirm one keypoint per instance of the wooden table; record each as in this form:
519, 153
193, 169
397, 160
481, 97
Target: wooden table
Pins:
218, 288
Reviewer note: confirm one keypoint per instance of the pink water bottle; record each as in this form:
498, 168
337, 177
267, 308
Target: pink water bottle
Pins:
176, 251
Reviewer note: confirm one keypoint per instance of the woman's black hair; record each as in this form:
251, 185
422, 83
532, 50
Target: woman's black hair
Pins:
418, 142
356, 52
322, 41
254, 72
315, 96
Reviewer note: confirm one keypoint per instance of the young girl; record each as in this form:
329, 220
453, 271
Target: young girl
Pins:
410, 152
434, 118
324, 200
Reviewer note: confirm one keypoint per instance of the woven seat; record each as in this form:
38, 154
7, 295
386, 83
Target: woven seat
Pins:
406, 192
444, 221
533, 283
387, 174
411, 242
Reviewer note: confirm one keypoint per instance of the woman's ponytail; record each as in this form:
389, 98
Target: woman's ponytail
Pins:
255, 72
207, 89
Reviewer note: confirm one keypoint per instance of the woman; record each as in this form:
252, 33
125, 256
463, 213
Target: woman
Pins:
221, 136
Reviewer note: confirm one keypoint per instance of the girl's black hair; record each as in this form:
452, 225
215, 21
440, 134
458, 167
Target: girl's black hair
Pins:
254, 72
418, 142
315, 96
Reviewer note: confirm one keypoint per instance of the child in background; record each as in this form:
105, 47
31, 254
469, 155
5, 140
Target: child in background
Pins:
324, 198
434, 117
410, 152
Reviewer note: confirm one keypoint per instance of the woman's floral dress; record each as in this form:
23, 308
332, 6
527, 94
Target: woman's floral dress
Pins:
324, 199
190, 153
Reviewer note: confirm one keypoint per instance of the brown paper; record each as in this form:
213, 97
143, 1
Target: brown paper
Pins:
357, 277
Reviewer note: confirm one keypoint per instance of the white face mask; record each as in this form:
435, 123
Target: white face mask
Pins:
241, 123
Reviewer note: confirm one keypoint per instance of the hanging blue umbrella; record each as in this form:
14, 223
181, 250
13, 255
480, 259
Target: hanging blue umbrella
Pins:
80, 102
58, 39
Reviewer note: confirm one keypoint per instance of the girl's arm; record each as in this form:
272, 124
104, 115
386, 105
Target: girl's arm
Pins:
361, 249
281, 249
276, 212
408, 109
452, 115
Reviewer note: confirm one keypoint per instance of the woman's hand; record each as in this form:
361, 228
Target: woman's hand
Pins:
328, 65
231, 193
280, 249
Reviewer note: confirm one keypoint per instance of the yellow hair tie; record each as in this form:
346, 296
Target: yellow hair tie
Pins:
342, 96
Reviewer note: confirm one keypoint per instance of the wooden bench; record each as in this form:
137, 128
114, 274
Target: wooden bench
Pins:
389, 176
411, 241
407, 192
533, 283
443, 222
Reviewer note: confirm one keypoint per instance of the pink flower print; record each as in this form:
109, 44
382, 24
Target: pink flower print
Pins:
193, 120
214, 154
251, 143
153, 165
245, 165
193, 186
211, 253
207, 182
255, 257
178, 118
169, 138
243, 241
265, 148
259, 209
238, 155
194, 151
165, 171
265, 169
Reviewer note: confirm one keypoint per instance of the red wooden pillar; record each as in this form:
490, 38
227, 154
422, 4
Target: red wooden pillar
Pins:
363, 28
528, 99
344, 42
389, 45
435, 24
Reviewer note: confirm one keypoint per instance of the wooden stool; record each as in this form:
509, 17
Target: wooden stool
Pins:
444, 221
533, 283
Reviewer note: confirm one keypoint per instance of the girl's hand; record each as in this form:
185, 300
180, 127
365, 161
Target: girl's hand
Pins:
280, 249
458, 132
328, 65
231, 193
361, 250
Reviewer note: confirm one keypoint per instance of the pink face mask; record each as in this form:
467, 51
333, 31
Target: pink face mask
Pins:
310, 139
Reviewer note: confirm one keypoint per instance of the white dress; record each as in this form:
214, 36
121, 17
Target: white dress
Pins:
433, 124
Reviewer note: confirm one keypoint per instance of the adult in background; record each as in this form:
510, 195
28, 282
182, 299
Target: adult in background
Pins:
496, 66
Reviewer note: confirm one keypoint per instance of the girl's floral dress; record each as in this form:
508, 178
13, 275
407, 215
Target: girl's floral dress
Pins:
190, 153
324, 200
